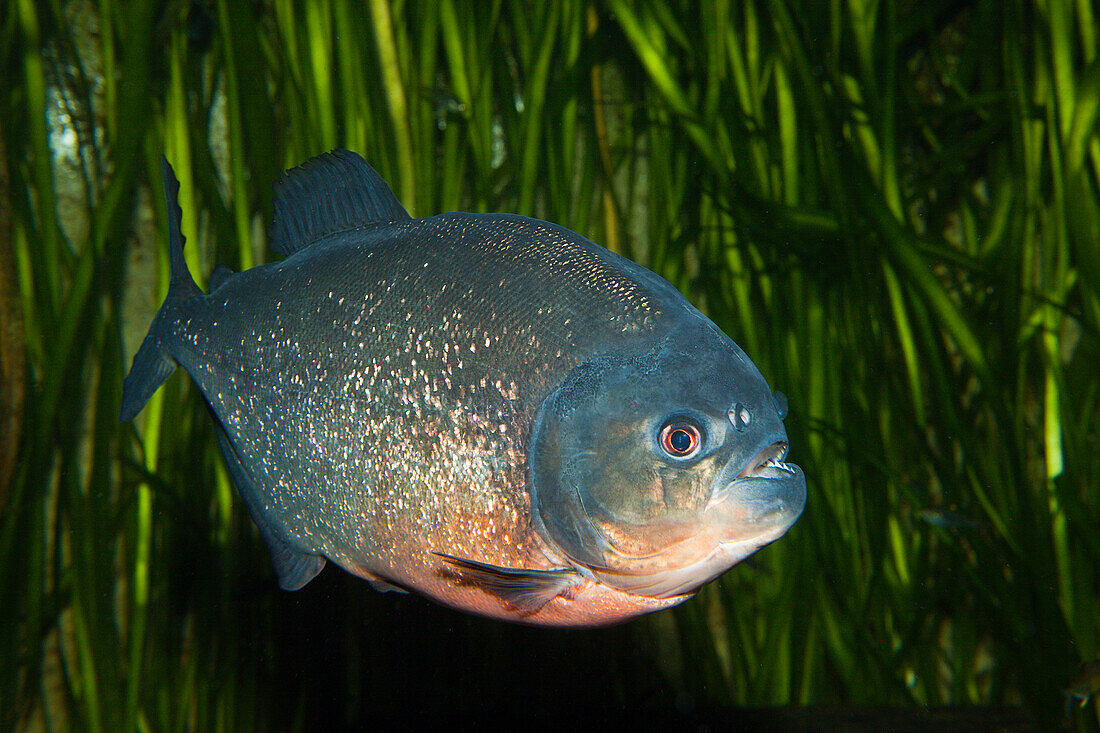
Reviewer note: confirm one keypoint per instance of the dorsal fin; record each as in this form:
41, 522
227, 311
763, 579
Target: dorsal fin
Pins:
330, 193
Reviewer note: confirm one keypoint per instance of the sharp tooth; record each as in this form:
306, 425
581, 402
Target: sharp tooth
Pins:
770, 457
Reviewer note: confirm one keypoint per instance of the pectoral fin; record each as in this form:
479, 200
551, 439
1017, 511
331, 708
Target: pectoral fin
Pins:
525, 590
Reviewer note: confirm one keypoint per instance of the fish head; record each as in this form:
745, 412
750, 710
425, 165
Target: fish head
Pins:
657, 471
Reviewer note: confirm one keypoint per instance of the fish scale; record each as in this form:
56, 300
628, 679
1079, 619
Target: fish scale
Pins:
395, 394
342, 363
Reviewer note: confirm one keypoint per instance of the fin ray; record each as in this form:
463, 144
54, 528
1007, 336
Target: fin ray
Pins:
525, 590
329, 193
180, 283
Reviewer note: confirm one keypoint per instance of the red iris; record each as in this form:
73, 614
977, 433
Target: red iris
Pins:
680, 440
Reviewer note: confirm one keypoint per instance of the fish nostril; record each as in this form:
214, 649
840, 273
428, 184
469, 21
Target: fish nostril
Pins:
740, 416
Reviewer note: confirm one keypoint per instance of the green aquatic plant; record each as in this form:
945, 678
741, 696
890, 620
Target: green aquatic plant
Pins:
894, 208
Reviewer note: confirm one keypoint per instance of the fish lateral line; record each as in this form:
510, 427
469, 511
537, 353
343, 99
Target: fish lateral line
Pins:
526, 590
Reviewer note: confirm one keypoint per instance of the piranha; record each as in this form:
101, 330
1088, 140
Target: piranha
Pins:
487, 409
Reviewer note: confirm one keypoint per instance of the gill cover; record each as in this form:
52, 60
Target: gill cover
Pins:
658, 471
600, 486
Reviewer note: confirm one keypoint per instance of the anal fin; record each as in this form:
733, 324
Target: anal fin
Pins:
525, 590
293, 567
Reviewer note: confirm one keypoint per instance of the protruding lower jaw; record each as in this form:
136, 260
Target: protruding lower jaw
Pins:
766, 498
753, 510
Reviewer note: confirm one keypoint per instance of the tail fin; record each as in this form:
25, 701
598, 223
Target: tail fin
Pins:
153, 364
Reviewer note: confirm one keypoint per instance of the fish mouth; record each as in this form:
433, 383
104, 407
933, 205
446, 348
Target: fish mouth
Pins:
768, 463
752, 509
765, 493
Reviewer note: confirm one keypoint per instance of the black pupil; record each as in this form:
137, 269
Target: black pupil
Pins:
680, 440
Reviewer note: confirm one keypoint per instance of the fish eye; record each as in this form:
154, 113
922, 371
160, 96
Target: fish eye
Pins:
680, 438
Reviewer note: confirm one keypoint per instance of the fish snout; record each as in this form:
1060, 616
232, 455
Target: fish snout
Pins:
764, 498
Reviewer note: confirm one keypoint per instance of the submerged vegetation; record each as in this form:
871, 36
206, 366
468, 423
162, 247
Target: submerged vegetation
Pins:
894, 208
